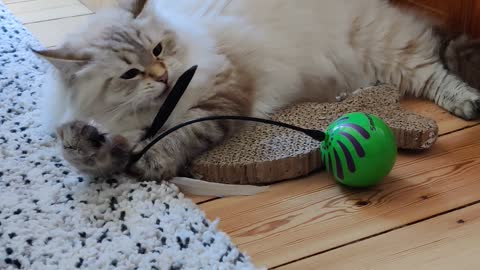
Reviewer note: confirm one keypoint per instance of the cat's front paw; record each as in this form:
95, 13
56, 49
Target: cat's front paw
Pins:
468, 105
91, 151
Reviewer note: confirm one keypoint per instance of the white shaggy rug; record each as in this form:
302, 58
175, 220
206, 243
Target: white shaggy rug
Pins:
53, 218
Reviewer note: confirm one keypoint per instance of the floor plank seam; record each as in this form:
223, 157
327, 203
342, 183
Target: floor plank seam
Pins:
6, 4
209, 200
58, 19
460, 129
381, 233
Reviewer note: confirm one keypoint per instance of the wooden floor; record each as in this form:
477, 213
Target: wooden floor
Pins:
425, 216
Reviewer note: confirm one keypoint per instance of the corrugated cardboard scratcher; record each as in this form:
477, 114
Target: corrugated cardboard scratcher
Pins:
263, 154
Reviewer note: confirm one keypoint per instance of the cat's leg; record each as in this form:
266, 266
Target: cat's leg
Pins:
92, 152
417, 70
166, 158
228, 96
405, 51
433, 81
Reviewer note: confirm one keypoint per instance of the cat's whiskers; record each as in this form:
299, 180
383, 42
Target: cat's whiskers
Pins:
115, 111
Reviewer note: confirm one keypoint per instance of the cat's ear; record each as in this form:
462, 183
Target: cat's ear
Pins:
63, 59
135, 7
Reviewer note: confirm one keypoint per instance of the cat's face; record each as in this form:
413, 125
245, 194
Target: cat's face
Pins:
137, 66
123, 62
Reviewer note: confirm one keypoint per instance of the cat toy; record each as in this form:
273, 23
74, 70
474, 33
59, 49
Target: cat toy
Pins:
358, 149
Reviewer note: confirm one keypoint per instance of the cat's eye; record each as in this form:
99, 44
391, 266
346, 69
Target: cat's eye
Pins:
132, 73
157, 50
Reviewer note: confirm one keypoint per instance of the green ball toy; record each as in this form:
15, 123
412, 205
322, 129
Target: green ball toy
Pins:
359, 150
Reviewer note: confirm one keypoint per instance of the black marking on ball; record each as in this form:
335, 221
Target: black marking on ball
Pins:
372, 123
330, 163
338, 165
359, 129
343, 119
348, 157
356, 144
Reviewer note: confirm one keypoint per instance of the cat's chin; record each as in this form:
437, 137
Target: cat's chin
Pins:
163, 94
159, 99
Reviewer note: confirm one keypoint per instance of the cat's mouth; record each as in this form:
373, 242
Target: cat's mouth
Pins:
164, 93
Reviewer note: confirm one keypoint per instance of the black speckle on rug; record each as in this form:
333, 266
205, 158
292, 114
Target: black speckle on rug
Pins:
51, 217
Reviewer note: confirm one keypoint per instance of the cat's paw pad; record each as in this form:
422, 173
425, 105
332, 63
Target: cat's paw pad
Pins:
81, 137
91, 151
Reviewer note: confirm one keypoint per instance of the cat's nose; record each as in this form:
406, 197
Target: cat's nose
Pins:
163, 78
158, 72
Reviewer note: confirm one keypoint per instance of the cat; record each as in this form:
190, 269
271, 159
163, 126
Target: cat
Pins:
254, 57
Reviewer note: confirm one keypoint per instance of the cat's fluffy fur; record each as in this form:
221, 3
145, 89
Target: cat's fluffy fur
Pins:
461, 56
254, 57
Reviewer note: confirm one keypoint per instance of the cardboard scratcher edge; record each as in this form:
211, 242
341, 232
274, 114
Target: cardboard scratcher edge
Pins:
405, 125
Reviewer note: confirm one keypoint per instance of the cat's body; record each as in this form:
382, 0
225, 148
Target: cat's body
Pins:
254, 57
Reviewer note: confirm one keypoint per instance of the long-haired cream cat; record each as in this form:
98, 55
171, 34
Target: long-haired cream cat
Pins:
254, 57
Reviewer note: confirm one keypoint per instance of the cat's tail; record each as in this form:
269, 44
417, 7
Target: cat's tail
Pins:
460, 55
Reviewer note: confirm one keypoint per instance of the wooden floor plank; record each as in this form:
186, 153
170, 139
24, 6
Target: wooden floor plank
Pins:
52, 33
95, 5
44, 10
304, 217
446, 242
